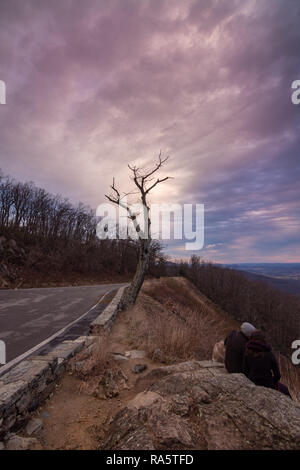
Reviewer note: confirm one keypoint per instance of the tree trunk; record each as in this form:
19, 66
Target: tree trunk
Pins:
130, 294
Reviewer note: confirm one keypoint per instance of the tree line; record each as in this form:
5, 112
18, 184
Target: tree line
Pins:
33, 212
60, 236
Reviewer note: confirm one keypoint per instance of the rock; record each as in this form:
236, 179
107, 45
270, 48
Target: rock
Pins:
198, 405
143, 399
34, 426
135, 354
2, 446
120, 357
20, 443
138, 368
110, 384
34, 405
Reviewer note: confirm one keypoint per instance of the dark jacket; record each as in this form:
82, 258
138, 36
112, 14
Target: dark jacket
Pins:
235, 344
260, 364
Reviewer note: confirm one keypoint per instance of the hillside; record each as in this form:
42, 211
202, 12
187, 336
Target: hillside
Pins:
290, 286
155, 368
25, 264
47, 241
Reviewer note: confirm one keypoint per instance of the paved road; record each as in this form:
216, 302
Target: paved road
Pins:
29, 316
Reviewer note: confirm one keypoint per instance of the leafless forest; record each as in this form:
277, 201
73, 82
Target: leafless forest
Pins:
44, 236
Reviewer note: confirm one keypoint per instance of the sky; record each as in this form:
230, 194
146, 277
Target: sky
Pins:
94, 85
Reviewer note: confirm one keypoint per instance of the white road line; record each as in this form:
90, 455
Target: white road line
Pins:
15, 361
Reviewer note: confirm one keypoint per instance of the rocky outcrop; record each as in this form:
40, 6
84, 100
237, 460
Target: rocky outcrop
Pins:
17, 260
197, 405
12, 256
15, 442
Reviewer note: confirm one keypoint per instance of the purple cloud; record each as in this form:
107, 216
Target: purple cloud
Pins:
93, 85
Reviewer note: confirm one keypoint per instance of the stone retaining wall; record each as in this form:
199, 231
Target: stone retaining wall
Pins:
104, 321
24, 387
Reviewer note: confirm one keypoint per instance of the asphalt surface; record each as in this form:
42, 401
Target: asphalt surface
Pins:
30, 316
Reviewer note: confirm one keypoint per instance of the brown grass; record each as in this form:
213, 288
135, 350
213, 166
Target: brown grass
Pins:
290, 376
95, 359
176, 323
91, 364
180, 337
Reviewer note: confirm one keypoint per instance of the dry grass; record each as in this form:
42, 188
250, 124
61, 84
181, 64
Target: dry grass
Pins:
91, 364
177, 324
290, 376
183, 292
92, 360
183, 336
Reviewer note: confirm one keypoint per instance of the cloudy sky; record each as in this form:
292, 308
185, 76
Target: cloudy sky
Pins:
95, 84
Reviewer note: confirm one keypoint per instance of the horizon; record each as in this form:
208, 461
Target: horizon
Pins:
92, 86
241, 263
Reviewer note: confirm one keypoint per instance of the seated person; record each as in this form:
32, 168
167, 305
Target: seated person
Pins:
260, 364
235, 344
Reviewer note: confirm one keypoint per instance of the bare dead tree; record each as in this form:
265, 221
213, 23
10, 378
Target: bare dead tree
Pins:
144, 182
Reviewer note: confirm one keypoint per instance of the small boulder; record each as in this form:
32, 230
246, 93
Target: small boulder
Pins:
20, 443
34, 426
110, 384
138, 368
135, 354
120, 357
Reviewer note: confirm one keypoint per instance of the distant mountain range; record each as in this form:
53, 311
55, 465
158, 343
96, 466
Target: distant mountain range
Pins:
282, 276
